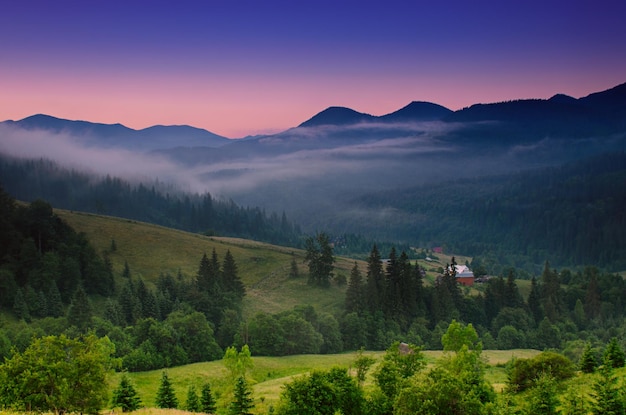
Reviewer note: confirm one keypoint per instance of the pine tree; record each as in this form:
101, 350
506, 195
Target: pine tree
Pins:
543, 397
126, 272
613, 354
375, 281
588, 360
354, 292
192, 404
534, 302
231, 281
607, 394
20, 308
592, 297
242, 400
293, 271
55, 304
207, 401
80, 313
166, 398
125, 396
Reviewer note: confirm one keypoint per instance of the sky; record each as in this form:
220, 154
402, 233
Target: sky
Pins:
240, 67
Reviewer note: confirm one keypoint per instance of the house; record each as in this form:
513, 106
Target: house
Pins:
464, 275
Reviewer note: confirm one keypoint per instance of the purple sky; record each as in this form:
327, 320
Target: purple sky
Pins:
247, 67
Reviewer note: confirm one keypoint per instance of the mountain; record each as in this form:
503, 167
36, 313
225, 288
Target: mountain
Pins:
118, 135
418, 111
337, 116
320, 172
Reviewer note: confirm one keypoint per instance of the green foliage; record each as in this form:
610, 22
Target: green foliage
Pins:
238, 363
397, 366
608, 396
523, 373
459, 335
59, 374
543, 396
613, 354
80, 314
192, 404
588, 361
125, 396
362, 364
166, 397
322, 392
320, 259
242, 401
437, 392
207, 400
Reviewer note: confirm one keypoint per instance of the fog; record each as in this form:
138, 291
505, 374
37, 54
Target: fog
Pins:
313, 174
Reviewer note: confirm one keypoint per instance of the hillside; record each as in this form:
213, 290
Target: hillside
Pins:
151, 250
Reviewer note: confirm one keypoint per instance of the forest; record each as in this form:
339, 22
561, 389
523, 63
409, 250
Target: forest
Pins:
570, 214
50, 276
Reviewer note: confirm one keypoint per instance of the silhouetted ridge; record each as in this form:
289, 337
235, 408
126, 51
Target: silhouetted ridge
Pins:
337, 116
418, 111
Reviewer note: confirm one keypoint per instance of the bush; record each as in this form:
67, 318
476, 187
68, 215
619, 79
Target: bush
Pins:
523, 373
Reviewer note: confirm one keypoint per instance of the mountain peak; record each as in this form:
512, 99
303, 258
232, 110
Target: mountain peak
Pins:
418, 111
337, 116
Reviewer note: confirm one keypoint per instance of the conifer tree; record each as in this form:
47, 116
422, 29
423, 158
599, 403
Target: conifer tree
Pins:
55, 304
592, 297
534, 302
375, 281
354, 292
125, 396
588, 360
192, 404
80, 313
242, 401
293, 271
607, 394
20, 308
126, 272
207, 401
231, 281
613, 354
166, 398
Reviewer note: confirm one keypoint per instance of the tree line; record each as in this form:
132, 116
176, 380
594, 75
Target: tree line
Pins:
152, 202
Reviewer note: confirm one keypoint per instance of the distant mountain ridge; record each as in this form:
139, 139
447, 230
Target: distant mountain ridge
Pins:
517, 121
145, 139
414, 112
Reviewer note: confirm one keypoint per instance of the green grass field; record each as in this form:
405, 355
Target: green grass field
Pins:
264, 269
269, 374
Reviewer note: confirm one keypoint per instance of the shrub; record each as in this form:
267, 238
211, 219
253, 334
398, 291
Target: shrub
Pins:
524, 373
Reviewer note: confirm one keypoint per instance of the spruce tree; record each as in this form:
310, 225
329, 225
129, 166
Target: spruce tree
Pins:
293, 271
166, 398
607, 394
20, 308
375, 281
125, 396
354, 293
192, 404
534, 302
80, 313
242, 401
55, 304
126, 272
613, 354
207, 401
230, 277
588, 360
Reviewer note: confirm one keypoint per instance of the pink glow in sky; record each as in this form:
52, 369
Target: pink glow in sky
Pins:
251, 67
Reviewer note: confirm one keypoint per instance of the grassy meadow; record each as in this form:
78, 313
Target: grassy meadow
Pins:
269, 374
151, 250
